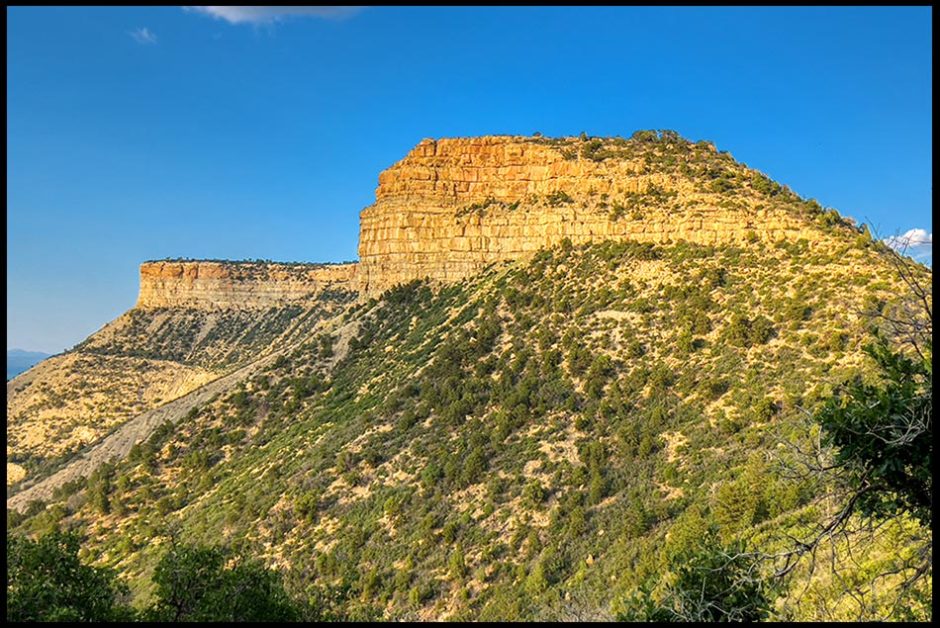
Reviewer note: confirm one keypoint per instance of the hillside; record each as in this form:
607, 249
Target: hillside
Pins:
19, 361
565, 355
193, 322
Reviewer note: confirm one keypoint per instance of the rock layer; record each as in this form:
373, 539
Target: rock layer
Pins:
453, 206
213, 284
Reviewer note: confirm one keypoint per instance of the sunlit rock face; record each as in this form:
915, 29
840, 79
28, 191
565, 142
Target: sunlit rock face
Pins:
453, 206
211, 284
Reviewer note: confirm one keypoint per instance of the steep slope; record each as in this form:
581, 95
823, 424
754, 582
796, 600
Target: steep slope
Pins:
193, 322
531, 433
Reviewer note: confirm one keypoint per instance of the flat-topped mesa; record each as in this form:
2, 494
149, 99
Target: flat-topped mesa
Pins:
218, 284
453, 206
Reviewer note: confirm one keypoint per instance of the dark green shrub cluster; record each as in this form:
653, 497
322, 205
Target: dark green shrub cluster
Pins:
746, 332
46, 581
557, 198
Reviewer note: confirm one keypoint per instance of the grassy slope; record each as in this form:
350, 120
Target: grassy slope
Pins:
545, 431
140, 360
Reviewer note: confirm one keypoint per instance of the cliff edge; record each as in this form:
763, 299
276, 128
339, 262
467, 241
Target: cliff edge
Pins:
453, 206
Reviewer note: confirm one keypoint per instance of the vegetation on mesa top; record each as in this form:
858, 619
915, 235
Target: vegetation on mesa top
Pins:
667, 152
249, 261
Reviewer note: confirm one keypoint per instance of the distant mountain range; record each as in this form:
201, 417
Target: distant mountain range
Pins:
19, 361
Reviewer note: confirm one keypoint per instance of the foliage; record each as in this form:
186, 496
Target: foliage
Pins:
206, 584
746, 332
559, 197
707, 584
47, 582
884, 435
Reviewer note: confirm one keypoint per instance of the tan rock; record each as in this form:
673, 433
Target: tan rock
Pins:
211, 284
453, 206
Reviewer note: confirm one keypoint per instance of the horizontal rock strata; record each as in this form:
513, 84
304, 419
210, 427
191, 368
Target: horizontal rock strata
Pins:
453, 206
212, 284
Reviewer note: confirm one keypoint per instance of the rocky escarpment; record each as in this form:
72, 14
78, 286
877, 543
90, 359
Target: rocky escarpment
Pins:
453, 206
447, 210
223, 284
194, 322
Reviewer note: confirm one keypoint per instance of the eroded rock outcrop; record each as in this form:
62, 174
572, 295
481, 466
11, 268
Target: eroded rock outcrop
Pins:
215, 284
453, 206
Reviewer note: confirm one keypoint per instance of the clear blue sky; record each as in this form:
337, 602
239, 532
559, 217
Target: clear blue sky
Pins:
138, 133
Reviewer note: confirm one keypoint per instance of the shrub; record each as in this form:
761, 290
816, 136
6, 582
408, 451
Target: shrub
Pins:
722, 185
710, 583
456, 564
534, 493
307, 505
205, 584
746, 333
47, 582
645, 136
558, 198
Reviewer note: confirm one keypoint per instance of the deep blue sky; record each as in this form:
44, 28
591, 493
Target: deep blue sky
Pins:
138, 133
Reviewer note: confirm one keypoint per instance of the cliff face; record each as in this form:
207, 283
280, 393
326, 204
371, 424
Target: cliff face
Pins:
453, 206
210, 285
193, 322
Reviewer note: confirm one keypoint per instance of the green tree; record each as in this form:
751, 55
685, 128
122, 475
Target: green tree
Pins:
99, 487
709, 582
206, 584
883, 435
47, 582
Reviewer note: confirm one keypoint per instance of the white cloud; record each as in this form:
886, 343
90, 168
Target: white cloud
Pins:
916, 243
143, 36
264, 15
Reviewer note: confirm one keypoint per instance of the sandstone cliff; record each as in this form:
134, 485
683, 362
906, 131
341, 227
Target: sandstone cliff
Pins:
453, 206
215, 284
